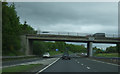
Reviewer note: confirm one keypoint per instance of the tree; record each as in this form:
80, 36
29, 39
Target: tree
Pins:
26, 29
118, 47
97, 50
39, 48
10, 29
60, 45
112, 49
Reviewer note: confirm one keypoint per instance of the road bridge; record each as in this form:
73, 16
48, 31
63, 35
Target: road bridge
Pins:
28, 39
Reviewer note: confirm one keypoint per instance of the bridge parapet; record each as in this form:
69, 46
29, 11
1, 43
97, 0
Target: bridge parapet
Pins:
115, 35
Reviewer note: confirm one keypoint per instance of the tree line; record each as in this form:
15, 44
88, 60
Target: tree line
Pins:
12, 29
111, 49
40, 47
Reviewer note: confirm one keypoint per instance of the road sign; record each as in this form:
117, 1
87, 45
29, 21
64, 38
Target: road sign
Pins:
56, 49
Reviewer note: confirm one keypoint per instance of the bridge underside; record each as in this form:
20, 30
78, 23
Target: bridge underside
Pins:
74, 41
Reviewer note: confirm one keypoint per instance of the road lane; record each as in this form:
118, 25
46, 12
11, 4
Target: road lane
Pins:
81, 65
99, 66
65, 66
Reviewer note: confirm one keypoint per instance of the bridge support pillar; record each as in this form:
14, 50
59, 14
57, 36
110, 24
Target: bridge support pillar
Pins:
118, 47
29, 47
26, 45
90, 50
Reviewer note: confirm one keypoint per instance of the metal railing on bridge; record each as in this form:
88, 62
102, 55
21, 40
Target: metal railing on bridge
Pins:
76, 34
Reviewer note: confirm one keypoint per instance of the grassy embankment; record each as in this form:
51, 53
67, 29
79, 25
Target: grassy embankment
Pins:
107, 55
54, 53
21, 68
20, 58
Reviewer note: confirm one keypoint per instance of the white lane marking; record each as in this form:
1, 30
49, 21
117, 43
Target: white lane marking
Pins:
82, 64
47, 66
104, 62
78, 62
88, 67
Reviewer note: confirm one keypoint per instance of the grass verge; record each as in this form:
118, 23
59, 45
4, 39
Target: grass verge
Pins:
54, 53
107, 55
21, 68
57, 52
20, 58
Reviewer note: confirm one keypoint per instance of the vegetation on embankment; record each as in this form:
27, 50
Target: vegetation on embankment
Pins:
58, 52
54, 53
19, 58
11, 31
40, 47
21, 68
107, 55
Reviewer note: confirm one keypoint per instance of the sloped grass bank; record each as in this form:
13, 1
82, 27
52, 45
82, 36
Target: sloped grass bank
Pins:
21, 68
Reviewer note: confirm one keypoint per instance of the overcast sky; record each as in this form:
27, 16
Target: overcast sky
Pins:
82, 17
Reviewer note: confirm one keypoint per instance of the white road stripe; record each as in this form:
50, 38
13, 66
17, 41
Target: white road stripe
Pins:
82, 64
78, 62
47, 66
88, 67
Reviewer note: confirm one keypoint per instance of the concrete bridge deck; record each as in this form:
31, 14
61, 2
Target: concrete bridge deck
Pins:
67, 38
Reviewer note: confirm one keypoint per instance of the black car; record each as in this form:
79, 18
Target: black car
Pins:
65, 56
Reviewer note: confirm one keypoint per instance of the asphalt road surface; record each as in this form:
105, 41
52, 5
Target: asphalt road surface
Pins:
81, 65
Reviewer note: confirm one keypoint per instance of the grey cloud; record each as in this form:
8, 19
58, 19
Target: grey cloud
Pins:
83, 17
67, 16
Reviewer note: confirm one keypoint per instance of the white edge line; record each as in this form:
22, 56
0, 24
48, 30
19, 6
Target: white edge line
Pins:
105, 62
47, 66
82, 64
88, 67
